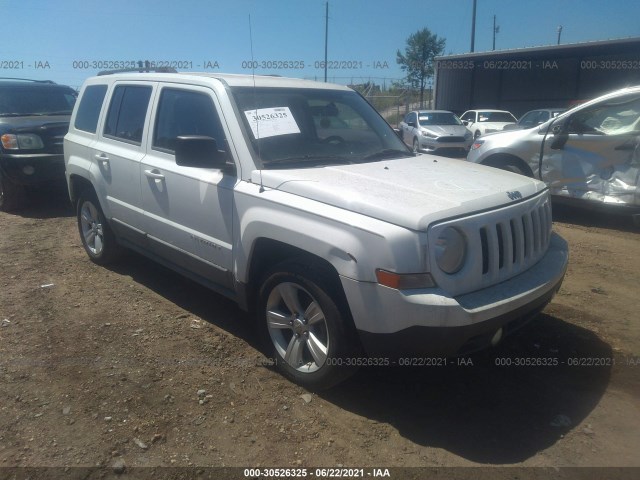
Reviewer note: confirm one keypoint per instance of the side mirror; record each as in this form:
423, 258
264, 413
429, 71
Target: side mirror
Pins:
466, 123
412, 124
199, 151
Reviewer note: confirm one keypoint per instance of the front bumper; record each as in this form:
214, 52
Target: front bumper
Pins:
45, 168
394, 323
453, 149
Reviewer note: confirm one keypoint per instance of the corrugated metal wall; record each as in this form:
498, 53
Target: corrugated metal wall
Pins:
521, 80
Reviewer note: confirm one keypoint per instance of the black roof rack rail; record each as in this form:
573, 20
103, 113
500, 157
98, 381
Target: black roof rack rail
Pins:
27, 80
139, 70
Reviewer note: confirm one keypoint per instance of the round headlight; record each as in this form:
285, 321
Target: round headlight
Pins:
451, 249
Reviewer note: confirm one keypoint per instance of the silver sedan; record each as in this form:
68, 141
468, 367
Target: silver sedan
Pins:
436, 131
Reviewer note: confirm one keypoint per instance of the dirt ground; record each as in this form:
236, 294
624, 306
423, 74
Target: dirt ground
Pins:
134, 366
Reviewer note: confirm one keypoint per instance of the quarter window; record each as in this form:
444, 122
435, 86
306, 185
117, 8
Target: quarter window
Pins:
128, 109
89, 108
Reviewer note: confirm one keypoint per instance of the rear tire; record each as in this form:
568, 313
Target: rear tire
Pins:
305, 326
97, 237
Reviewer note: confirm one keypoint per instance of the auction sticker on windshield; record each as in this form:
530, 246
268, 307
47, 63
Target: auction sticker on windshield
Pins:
269, 122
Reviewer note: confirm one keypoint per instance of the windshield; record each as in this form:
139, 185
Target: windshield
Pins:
26, 100
495, 117
313, 127
438, 118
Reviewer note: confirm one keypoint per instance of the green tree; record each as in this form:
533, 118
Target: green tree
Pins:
418, 57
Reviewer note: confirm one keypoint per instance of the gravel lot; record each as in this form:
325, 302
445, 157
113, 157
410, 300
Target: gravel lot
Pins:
134, 366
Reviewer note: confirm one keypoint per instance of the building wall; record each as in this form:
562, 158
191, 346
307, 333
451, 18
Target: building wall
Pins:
524, 79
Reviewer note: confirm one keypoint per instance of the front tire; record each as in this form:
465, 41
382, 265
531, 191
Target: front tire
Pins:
12, 195
305, 325
97, 237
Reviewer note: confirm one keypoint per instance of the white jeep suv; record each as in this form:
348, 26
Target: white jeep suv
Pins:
298, 201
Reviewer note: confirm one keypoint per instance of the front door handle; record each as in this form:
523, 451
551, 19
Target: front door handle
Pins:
155, 174
102, 157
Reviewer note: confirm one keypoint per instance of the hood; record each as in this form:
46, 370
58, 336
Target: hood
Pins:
30, 122
411, 192
499, 125
446, 130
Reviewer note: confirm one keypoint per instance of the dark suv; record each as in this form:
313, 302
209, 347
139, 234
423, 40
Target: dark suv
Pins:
34, 117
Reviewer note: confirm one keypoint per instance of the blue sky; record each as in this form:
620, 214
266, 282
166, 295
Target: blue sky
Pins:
55, 40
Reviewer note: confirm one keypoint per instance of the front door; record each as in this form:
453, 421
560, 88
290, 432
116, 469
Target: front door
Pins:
188, 211
600, 158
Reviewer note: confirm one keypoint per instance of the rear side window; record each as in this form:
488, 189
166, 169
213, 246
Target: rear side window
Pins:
184, 112
128, 109
89, 108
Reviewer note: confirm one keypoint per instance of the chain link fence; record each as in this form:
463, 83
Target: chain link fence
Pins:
393, 106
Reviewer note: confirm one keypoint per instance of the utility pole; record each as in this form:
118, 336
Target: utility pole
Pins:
473, 26
326, 40
496, 29
559, 33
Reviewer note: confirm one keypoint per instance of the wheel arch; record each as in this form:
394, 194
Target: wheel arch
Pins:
501, 160
77, 185
266, 253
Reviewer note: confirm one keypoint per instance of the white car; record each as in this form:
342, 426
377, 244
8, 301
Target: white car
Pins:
439, 132
589, 155
481, 122
298, 201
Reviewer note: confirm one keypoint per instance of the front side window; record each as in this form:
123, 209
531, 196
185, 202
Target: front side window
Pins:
469, 117
613, 117
127, 111
311, 127
183, 113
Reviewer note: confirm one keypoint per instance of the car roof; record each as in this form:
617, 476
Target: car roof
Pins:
612, 94
230, 79
488, 110
550, 109
18, 82
432, 111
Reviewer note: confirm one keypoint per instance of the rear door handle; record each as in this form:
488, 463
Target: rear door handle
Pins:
155, 174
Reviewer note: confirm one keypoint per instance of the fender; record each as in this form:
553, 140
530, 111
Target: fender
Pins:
355, 245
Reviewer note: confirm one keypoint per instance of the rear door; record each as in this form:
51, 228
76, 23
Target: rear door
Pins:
188, 211
600, 159
117, 153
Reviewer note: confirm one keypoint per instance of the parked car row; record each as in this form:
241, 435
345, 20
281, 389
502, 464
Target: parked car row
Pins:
34, 117
589, 155
298, 201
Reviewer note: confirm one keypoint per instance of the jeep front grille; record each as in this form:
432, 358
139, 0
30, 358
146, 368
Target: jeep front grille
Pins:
501, 244
509, 244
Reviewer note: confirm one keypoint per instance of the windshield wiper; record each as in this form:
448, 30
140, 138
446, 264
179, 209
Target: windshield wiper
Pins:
384, 154
309, 160
35, 114
58, 112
